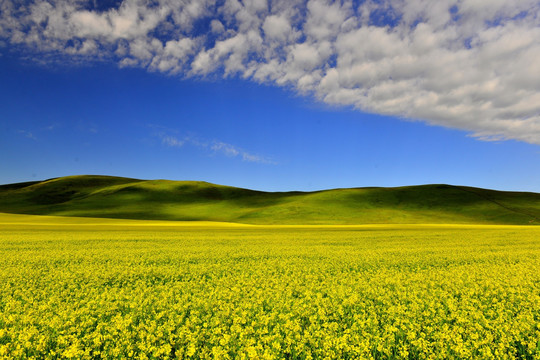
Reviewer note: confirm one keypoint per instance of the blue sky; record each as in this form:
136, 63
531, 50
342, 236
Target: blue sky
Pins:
299, 108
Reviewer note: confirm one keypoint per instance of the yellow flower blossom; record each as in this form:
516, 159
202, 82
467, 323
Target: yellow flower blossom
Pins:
270, 293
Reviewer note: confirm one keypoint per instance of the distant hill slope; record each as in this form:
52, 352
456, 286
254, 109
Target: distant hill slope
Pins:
114, 197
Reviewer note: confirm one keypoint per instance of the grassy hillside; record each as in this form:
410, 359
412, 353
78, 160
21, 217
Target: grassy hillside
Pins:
114, 197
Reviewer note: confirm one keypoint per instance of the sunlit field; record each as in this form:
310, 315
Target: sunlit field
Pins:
90, 289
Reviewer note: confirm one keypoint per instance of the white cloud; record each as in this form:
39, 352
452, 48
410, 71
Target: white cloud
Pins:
224, 148
234, 151
172, 141
174, 55
467, 64
217, 27
216, 147
325, 18
276, 28
27, 134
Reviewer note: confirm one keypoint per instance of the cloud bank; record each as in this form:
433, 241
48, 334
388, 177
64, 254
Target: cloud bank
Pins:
465, 64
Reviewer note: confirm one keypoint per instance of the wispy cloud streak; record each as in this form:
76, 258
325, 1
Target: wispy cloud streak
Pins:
27, 134
464, 64
215, 146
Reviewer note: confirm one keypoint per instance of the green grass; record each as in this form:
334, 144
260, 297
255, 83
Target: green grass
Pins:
113, 197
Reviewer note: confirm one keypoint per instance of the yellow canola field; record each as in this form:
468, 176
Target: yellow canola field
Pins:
114, 289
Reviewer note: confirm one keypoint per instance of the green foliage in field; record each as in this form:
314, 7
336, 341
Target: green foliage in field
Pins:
100, 196
118, 290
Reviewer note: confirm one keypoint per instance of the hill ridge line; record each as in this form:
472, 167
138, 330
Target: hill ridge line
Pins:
534, 218
127, 198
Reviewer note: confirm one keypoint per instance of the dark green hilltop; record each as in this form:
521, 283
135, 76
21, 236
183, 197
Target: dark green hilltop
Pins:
116, 197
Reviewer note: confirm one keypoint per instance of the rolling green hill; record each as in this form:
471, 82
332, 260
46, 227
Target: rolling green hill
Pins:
115, 197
